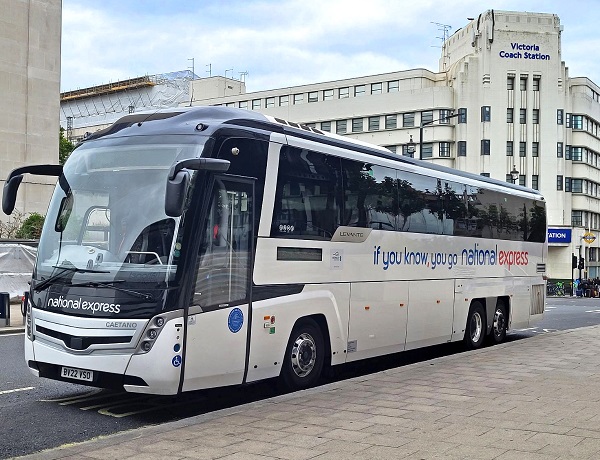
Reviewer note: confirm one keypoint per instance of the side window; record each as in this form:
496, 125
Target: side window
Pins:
307, 198
370, 196
249, 161
419, 205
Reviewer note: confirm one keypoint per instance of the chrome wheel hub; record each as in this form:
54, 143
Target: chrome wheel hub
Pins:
304, 355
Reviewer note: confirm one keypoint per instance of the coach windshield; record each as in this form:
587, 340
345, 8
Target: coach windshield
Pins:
106, 228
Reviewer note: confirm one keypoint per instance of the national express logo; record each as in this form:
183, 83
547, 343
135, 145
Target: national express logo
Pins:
468, 257
84, 305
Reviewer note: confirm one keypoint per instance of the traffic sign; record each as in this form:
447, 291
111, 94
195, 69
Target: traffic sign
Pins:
589, 237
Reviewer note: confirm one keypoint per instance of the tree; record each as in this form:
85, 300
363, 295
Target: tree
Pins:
65, 147
31, 228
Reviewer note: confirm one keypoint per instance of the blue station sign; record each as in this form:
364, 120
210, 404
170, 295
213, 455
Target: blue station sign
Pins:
559, 235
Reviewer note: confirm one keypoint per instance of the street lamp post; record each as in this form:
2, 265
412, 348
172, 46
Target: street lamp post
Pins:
514, 174
427, 123
410, 147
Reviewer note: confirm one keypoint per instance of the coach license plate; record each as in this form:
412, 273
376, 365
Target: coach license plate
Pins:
77, 374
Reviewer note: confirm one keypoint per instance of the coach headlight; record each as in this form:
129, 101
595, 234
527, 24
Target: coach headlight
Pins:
150, 335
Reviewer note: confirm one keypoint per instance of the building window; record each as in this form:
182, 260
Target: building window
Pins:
426, 117
373, 123
462, 115
510, 82
522, 149
568, 121
311, 125
408, 153
243, 104
343, 93
359, 90
485, 174
392, 148
391, 122
559, 182
509, 148
567, 184
284, 100
462, 148
568, 152
522, 180
357, 125
327, 94
408, 120
485, 146
444, 149
326, 126
522, 116
577, 218
576, 153
535, 116
577, 121
510, 115
576, 185
559, 116
341, 126
255, 104
535, 149
486, 113
427, 151
559, 149
376, 88
230, 104
392, 86
444, 114
313, 96
523, 82
270, 102
536, 84
298, 98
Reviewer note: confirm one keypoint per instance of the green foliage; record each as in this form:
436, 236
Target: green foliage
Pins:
31, 228
65, 147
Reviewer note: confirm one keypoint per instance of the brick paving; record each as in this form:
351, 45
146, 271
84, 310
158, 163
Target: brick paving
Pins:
536, 398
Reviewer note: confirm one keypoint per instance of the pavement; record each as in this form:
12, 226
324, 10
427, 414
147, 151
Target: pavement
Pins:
536, 398
16, 324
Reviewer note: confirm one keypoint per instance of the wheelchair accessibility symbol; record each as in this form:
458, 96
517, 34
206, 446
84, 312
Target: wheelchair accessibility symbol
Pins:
176, 361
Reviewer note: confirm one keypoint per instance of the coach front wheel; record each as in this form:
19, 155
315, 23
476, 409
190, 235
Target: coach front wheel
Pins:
304, 356
475, 328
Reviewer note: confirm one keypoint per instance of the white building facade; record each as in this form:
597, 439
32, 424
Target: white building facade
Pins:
515, 110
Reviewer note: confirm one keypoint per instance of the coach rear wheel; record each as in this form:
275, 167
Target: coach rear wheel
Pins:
475, 329
304, 356
500, 323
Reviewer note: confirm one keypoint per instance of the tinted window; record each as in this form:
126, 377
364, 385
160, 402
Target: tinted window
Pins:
370, 198
307, 195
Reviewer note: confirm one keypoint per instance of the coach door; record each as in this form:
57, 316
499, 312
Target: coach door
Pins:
219, 315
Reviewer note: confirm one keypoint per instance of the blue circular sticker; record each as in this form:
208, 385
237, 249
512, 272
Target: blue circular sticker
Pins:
235, 320
176, 361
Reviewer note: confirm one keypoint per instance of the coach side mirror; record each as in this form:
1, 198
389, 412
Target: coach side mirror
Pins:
175, 194
11, 186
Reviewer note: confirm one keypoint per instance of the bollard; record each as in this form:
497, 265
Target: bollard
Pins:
4, 309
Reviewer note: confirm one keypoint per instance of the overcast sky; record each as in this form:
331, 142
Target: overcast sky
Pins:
287, 42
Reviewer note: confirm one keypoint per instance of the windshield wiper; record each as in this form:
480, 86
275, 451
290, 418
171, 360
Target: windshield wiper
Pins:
112, 286
63, 269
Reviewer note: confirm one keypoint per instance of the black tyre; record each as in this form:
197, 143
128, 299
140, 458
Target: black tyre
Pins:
475, 329
500, 323
304, 356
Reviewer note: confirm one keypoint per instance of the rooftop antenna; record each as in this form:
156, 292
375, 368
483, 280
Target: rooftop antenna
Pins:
444, 28
243, 76
192, 82
209, 71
